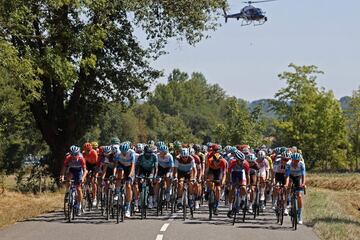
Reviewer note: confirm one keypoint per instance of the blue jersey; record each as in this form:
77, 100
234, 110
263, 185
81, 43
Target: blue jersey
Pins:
126, 159
298, 170
165, 162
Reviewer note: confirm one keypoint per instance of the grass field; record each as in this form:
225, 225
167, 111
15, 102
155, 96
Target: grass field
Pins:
332, 205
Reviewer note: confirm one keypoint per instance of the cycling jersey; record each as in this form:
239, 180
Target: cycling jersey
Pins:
165, 162
185, 164
147, 161
297, 170
263, 167
125, 159
91, 156
75, 162
213, 164
197, 161
235, 167
279, 166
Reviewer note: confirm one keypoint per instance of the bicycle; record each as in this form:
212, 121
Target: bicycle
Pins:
161, 198
87, 189
256, 204
70, 202
279, 208
173, 196
294, 205
144, 193
211, 199
237, 203
187, 201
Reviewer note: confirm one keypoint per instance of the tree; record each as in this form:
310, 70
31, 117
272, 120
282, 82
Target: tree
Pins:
311, 119
354, 125
82, 54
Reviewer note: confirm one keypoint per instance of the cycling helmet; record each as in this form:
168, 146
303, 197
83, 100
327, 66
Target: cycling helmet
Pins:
74, 150
251, 158
139, 147
296, 156
151, 142
286, 155
124, 147
283, 149
192, 151
95, 145
197, 148
215, 147
227, 148
115, 140
204, 148
245, 151
163, 148
160, 143
184, 152
115, 149
261, 154
147, 149
239, 155
233, 150
87, 146
277, 150
107, 149
269, 151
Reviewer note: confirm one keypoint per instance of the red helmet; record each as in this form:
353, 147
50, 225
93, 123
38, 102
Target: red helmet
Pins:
88, 146
215, 147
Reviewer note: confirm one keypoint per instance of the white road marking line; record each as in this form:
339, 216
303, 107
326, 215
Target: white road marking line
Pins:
164, 227
159, 237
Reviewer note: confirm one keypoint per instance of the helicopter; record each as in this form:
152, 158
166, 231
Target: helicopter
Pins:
249, 14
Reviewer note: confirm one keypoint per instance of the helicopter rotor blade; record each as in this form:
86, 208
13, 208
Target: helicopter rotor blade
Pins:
250, 2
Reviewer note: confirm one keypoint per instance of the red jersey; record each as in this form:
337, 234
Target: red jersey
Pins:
91, 157
239, 167
74, 162
215, 165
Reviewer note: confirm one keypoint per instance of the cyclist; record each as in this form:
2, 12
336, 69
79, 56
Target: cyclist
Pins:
165, 171
254, 168
147, 167
95, 146
184, 170
262, 155
215, 170
279, 171
239, 170
92, 166
263, 176
75, 168
199, 173
125, 170
295, 171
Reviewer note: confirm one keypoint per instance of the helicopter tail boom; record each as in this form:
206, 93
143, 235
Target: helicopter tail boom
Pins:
225, 15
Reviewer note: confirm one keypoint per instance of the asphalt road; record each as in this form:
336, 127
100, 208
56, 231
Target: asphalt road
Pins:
92, 225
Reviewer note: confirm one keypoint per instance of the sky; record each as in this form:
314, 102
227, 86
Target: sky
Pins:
325, 33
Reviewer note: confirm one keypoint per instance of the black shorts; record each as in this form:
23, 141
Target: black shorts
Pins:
215, 173
91, 167
280, 178
126, 170
252, 171
185, 175
145, 172
163, 172
296, 181
109, 172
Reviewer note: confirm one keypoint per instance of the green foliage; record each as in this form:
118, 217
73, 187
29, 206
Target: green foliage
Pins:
311, 119
353, 122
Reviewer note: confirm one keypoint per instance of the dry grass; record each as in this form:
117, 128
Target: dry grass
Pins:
334, 181
334, 215
16, 206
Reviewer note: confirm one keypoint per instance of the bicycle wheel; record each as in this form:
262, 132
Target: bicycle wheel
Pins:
118, 210
122, 205
236, 205
211, 202
143, 199
66, 206
244, 209
184, 203
294, 212
108, 203
70, 208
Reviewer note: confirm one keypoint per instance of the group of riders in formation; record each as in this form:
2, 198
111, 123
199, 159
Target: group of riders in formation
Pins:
205, 168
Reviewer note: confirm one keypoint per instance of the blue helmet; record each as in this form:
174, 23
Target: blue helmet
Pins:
160, 143
115, 149
233, 150
124, 147
163, 148
74, 150
296, 156
107, 149
286, 155
251, 157
278, 150
184, 152
239, 155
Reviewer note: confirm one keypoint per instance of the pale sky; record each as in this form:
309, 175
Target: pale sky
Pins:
305, 32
